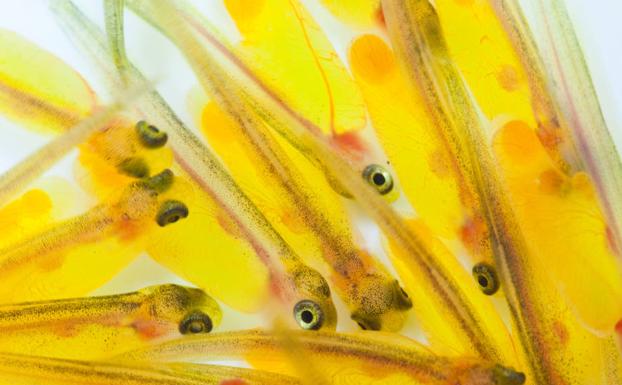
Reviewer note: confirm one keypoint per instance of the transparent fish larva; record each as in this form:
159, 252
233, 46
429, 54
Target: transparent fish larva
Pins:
438, 173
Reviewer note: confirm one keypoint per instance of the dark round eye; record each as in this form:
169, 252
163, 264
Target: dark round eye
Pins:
486, 278
170, 212
160, 182
378, 177
150, 136
134, 167
308, 315
195, 323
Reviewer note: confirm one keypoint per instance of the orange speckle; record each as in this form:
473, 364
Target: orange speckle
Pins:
149, 329
561, 332
473, 232
465, 3
508, 78
379, 16
125, 226
67, 329
439, 164
371, 58
293, 222
128, 230
551, 182
350, 142
550, 135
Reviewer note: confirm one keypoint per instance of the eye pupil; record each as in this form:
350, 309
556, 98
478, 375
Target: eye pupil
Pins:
379, 179
171, 211
195, 327
173, 219
482, 281
195, 323
306, 316
486, 278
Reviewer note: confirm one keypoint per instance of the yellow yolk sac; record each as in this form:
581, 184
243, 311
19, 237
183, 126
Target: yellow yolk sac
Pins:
51, 259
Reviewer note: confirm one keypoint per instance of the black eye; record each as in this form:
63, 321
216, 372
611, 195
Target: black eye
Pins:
308, 315
195, 323
170, 212
378, 177
160, 182
486, 278
150, 136
135, 167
